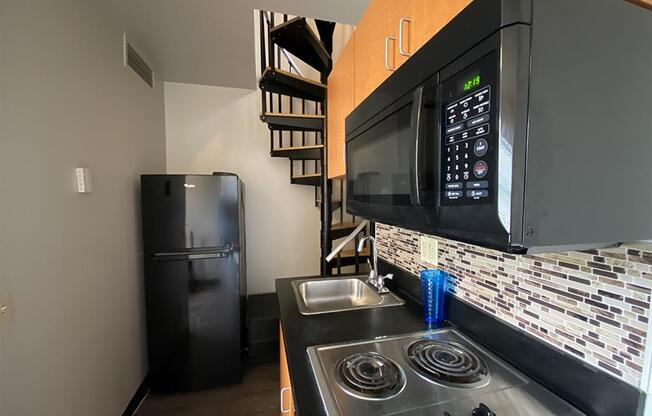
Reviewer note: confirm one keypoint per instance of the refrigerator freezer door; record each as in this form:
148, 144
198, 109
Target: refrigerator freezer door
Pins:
193, 320
190, 212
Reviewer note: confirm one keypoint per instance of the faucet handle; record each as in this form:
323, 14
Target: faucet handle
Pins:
380, 283
388, 276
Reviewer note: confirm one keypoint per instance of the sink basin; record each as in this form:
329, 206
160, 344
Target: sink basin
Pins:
315, 296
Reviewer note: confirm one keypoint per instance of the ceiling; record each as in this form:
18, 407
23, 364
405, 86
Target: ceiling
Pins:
211, 42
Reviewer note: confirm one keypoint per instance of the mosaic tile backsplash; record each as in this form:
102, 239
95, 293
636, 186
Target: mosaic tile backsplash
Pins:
593, 304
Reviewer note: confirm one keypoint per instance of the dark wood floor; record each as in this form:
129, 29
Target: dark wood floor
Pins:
256, 395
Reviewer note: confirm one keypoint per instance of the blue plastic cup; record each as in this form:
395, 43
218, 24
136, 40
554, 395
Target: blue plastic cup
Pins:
434, 284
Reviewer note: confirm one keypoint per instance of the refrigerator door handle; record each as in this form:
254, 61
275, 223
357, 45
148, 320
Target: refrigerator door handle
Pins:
208, 255
189, 257
185, 256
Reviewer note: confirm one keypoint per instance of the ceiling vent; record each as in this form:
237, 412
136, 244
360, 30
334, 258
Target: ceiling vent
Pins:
133, 60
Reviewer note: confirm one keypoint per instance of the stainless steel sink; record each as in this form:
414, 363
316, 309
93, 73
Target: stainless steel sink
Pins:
315, 296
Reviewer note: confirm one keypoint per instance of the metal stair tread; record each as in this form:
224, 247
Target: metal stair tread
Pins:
294, 122
342, 229
317, 116
312, 179
345, 225
347, 257
316, 146
282, 82
309, 175
351, 253
313, 152
296, 37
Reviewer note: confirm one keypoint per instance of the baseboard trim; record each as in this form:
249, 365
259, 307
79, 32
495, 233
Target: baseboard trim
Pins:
138, 397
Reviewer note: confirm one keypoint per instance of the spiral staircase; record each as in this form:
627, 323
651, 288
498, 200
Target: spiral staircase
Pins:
294, 106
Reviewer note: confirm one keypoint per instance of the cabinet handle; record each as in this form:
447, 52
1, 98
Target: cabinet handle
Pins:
283, 390
387, 67
400, 36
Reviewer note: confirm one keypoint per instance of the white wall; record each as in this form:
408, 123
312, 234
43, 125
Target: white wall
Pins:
73, 343
217, 129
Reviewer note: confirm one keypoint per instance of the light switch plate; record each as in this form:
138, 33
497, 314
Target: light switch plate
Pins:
4, 305
84, 182
429, 250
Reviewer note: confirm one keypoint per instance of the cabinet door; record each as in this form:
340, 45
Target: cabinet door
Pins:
340, 104
379, 20
287, 399
426, 18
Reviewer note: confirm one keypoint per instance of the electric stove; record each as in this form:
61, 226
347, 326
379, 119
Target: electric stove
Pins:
435, 373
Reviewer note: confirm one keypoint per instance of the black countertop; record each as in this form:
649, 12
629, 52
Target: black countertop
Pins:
593, 391
303, 331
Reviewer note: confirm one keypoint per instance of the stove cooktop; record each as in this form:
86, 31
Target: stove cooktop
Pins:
434, 373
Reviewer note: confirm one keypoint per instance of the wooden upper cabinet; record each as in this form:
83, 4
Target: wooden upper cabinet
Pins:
361, 67
423, 19
392, 30
379, 21
341, 86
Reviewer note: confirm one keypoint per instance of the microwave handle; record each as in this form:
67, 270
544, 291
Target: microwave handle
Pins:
416, 151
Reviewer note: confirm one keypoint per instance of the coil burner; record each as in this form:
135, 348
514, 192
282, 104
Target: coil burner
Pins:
447, 363
371, 376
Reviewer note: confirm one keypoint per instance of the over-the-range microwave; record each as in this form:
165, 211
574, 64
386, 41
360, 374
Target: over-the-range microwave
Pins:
523, 125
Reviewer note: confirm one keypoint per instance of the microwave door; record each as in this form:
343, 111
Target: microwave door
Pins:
390, 161
378, 161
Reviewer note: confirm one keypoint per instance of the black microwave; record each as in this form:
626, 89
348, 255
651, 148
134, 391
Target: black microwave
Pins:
522, 126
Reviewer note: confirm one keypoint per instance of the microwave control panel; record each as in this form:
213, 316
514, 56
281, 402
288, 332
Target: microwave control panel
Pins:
468, 136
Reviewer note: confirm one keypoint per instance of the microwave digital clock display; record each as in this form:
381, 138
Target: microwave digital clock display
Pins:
470, 81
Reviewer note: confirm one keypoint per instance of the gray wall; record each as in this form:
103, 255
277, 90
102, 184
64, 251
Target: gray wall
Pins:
73, 341
217, 129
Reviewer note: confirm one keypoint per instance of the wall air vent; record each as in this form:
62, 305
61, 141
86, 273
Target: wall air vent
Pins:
133, 60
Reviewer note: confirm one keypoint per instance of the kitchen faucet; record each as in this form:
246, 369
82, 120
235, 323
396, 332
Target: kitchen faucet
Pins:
376, 280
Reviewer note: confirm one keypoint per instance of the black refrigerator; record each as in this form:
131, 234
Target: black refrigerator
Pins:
195, 284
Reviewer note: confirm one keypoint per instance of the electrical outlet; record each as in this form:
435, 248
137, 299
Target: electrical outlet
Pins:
429, 250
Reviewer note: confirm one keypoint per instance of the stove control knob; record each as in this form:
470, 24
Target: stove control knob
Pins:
483, 410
